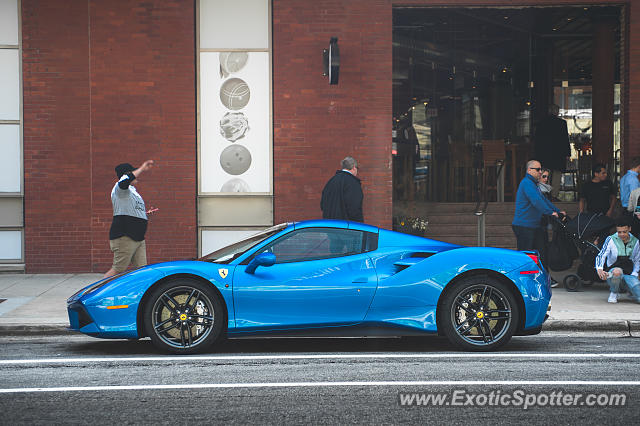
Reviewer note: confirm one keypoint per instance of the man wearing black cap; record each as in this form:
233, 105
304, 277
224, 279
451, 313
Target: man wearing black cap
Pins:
126, 236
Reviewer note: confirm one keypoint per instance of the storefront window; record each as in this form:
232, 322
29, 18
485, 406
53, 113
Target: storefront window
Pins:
470, 86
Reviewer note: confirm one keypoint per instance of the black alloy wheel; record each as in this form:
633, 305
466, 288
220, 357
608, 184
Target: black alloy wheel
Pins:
479, 313
183, 316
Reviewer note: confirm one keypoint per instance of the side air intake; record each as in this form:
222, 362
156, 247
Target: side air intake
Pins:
411, 260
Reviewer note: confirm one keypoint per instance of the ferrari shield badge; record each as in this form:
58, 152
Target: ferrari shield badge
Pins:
223, 272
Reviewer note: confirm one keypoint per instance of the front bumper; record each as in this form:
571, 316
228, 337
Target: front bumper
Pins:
80, 320
109, 308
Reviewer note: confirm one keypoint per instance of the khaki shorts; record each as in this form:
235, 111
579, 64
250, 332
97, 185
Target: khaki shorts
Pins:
127, 251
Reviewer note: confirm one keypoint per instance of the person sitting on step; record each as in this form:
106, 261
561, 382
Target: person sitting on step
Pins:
619, 262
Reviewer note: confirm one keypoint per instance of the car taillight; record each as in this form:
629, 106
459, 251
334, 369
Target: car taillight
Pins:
536, 260
534, 257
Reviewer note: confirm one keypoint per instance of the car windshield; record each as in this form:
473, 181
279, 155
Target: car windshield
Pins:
235, 250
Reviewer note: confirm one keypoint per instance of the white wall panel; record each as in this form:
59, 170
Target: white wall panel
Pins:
235, 24
11, 240
9, 22
253, 146
9, 84
10, 176
213, 240
234, 121
10, 245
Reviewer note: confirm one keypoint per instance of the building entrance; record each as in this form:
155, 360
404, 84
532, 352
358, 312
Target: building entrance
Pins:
472, 85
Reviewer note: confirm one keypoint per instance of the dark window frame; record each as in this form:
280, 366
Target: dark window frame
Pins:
369, 243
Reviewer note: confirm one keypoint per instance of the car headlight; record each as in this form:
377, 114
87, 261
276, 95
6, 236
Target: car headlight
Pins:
96, 286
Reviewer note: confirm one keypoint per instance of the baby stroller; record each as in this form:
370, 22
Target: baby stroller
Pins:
584, 235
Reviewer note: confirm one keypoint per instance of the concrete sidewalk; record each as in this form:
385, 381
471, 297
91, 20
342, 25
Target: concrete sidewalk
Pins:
37, 304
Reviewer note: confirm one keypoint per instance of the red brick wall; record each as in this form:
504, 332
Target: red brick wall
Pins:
57, 148
105, 83
316, 124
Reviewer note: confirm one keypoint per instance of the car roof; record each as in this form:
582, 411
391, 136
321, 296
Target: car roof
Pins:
333, 223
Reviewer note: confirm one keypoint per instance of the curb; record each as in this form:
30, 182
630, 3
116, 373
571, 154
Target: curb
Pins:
621, 326
34, 329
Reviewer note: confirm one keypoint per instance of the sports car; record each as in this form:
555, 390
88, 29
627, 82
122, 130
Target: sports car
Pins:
322, 278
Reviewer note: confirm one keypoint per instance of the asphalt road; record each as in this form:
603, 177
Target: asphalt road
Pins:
75, 379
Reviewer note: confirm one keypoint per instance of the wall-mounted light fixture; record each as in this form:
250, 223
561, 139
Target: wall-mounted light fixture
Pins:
331, 60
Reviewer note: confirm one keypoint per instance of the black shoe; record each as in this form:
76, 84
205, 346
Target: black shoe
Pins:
554, 283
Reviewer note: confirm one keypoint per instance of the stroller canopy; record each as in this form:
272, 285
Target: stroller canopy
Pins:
587, 225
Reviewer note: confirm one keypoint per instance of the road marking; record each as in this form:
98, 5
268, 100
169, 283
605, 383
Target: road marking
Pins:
483, 383
444, 356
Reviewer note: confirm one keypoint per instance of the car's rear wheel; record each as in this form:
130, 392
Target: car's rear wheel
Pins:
479, 313
183, 316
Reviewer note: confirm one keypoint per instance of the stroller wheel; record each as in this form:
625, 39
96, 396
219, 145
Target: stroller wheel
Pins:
572, 282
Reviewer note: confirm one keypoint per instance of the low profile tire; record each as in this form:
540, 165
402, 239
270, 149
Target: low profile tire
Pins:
572, 282
479, 314
183, 316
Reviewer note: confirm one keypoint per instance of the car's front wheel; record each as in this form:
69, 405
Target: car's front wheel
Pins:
183, 316
479, 313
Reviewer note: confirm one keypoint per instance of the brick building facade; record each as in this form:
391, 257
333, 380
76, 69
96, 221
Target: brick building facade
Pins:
107, 82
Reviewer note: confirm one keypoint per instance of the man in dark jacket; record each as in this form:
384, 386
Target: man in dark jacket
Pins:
342, 195
552, 146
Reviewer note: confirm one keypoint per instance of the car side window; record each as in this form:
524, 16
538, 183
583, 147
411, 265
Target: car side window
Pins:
316, 243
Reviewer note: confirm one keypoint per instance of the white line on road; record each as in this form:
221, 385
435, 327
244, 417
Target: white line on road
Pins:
326, 384
443, 356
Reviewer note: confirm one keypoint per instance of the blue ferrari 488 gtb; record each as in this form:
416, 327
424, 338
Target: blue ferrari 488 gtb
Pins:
322, 278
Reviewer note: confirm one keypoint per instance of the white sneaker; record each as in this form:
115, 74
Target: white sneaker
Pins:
613, 297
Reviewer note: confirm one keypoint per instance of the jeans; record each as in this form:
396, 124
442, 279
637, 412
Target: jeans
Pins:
531, 239
622, 283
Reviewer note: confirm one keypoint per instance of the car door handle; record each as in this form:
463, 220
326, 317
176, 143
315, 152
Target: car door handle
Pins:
360, 280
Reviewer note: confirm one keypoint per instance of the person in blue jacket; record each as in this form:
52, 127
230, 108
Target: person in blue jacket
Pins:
531, 205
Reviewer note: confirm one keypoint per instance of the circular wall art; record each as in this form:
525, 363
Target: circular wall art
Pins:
235, 185
231, 62
233, 126
234, 94
235, 159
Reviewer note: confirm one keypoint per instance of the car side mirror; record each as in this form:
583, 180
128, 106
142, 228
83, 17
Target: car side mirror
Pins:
263, 259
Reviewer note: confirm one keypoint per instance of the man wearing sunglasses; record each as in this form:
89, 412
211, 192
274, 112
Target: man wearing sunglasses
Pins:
531, 205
